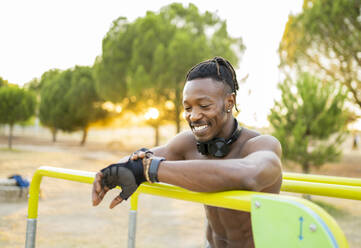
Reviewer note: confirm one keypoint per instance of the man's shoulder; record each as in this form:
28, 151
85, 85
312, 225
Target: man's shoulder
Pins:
185, 140
184, 137
256, 141
183, 143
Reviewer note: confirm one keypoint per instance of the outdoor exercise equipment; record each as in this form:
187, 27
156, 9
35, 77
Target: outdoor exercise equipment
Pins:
299, 222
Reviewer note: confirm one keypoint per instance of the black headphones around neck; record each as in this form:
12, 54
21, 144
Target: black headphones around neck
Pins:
219, 147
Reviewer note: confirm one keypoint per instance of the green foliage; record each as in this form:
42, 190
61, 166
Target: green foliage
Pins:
53, 110
84, 102
332, 209
69, 101
309, 121
33, 85
325, 38
28, 122
3, 82
16, 105
149, 58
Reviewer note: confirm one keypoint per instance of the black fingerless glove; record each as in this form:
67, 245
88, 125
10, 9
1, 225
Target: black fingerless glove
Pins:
131, 174
113, 171
128, 176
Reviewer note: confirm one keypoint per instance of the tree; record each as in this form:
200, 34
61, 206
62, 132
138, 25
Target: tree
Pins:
51, 109
149, 58
310, 121
3, 82
69, 101
16, 105
325, 38
83, 100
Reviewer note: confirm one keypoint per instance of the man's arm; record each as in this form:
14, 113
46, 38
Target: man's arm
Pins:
174, 150
177, 148
258, 169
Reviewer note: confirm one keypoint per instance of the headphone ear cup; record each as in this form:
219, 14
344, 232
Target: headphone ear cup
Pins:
202, 148
218, 148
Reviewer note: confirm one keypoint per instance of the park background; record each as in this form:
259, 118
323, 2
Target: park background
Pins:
41, 36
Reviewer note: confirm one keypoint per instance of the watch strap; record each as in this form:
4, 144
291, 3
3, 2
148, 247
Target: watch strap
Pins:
153, 168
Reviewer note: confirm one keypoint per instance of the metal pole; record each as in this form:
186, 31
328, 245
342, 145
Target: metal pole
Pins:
132, 228
206, 243
30, 233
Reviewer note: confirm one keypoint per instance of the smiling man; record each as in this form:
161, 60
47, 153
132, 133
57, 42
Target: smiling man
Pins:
215, 155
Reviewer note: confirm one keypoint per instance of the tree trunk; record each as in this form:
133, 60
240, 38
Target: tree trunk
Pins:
355, 142
306, 170
10, 139
178, 108
85, 135
54, 131
156, 135
177, 119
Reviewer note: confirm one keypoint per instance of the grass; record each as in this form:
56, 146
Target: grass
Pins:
331, 209
6, 149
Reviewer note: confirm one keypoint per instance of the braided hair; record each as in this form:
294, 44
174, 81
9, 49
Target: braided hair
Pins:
218, 69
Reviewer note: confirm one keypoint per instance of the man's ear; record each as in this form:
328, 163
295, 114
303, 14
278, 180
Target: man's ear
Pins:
230, 101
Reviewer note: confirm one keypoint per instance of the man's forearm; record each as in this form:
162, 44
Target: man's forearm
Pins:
205, 175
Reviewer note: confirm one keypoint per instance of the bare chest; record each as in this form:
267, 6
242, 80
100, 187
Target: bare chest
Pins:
228, 224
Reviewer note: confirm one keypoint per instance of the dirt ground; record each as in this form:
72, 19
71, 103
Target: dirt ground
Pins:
67, 219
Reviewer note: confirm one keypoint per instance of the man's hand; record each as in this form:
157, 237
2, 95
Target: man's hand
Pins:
99, 192
128, 176
140, 154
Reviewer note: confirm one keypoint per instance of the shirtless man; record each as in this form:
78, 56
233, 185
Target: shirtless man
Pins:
215, 155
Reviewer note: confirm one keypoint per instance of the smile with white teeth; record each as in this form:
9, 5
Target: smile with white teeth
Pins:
200, 127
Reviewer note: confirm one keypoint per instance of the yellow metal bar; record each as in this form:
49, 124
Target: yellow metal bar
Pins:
300, 183
333, 190
67, 174
34, 196
322, 179
238, 200
134, 201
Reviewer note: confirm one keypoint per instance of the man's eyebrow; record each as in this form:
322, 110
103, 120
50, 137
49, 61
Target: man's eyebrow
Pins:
200, 98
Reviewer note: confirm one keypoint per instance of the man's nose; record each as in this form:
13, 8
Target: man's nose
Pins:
195, 115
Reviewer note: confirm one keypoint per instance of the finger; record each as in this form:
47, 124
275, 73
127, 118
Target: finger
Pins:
98, 197
95, 197
141, 155
134, 157
97, 191
137, 155
94, 191
97, 182
115, 202
102, 193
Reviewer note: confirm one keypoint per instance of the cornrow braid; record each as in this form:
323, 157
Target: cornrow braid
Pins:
217, 68
222, 61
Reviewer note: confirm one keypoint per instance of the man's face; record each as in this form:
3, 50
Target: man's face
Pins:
204, 107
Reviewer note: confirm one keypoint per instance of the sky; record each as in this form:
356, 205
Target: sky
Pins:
38, 35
